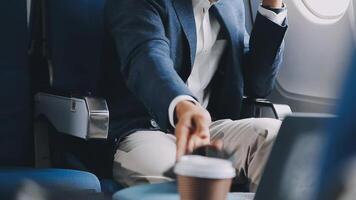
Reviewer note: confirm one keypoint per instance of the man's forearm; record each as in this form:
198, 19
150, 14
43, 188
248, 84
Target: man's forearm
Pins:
263, 57
273, 3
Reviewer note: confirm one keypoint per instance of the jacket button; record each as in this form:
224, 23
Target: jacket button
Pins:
154, 123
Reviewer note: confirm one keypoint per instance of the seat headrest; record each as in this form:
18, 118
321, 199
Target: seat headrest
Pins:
75, 36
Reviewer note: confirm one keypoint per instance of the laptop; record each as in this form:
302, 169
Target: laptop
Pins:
292, 169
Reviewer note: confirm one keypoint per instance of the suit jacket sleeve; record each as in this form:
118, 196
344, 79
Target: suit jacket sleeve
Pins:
262, 56
143, 50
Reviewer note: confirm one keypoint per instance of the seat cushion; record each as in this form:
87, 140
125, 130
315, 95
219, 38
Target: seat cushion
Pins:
11, 179
164, 191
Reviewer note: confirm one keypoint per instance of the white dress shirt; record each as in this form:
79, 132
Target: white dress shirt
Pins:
208, 53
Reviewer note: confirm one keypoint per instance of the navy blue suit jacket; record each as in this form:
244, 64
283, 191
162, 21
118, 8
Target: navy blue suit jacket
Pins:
153, 46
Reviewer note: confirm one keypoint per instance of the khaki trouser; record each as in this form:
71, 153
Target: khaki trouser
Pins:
144, 156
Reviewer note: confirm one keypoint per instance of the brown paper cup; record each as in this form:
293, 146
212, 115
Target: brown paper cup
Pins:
191, 188
204, 178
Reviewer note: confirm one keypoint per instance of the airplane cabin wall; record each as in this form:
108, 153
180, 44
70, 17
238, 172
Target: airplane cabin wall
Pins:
318, 47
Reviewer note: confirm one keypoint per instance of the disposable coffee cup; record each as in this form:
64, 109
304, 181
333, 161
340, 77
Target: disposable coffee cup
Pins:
204, 178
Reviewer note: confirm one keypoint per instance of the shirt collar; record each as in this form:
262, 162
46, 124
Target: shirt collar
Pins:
197, 4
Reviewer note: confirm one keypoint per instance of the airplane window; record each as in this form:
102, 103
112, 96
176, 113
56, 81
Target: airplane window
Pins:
317, 51
327, 9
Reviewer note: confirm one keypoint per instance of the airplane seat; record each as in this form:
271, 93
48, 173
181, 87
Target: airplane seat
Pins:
68, 39
339, 152
17, 139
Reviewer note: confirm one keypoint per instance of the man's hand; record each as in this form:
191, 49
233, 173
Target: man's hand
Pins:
273, 3
192, 129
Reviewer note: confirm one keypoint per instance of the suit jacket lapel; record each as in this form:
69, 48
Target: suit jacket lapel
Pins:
225, 17
184, 10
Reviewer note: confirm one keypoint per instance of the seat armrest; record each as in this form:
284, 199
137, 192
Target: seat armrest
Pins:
258, 108
82, 117
282, 110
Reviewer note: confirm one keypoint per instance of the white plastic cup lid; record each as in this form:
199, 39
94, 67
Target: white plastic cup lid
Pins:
204, 167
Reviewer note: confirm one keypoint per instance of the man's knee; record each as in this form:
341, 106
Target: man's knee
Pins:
266, 128
150, 153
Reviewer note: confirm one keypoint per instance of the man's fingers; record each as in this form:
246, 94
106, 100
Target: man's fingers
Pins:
195, 142
191, 144
182, 132
192, 130
182, 140
199, 135
201, 127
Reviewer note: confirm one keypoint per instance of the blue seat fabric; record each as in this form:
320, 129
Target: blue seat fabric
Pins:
11, 179
341, 137
109, 186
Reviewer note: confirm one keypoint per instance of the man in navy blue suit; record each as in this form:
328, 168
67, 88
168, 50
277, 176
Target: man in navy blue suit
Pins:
177, 77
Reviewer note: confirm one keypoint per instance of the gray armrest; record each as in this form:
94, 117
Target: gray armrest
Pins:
263, 108
82, 117
282, 110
